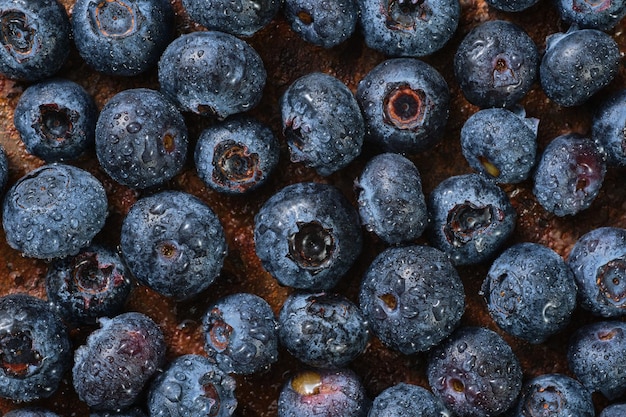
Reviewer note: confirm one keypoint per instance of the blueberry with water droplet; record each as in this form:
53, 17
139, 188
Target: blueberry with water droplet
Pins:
608, 128
593, 14
31, 412
239, 18
554, 395
614, 410
407, 400
326, 23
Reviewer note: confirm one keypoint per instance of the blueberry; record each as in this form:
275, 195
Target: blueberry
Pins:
554, 395
569, 174
407, 400
475, 373
390, 197
597, 356
406, 27
511, 5
322, 330
122, 37
30, 412
405, 104
322, 122
92, 284
173, 243
412, 298
34, 38
577, 64
471, 218
598, 260
614, 410
496, 64
236, 155
192, 386
607, 130
141, 138
325, 24
212, 73
500, 144
4, 169
117, 361
307, 236
323, 393
131, 412
34, 348
530, 292
54, 211
594, 14
241, 333
56, 120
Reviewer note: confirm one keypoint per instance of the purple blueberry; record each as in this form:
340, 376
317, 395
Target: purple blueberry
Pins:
554, 395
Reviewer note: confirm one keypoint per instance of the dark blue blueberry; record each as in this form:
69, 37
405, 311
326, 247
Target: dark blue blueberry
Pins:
614, 410
56, 120
598, 260
406, 27
322, 330
54, 211
325, 24
405, 104
390, 197
412, 298
577, 64
122, 37
471, 218
407, 400
500, 144
569, 174
597, 356
141, 138
173, 243
322, 122
4, 170
475, 373
31, 412
34, 38
554, 395
236, 155
241, 333
212, 73
131, 412
192, 386
608, 128
530, 292
91, 284
511, 5
323, 393
594, 14
496, 64
307, 236
34, 348
118, 359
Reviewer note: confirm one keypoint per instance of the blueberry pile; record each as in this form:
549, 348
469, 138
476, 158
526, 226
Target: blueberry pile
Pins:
313, 208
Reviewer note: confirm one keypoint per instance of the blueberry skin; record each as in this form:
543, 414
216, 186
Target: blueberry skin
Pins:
607, 129
241, 333
34, 346
405, 104
212, 74
471, 218
322, 122
173, 243
53, 211
36, 38
131, 412
596, 355
322, 330
4, 170
412, 298
237, 155
122, 37
577, 64
92, 284
598, 260
614, 410
530, 291
201, 388
407, 400
500, 144
569, 175
496, 64
391, 200
407, 28
307, 236
56, 120
323, 393
601, 15
554, 395
475, 373
324, 24
511, 5
117, 361
31, 412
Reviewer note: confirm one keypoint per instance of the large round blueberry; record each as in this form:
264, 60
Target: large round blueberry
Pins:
613, 410
31, 412
407, 400
307, 236
54, 211
594, 14
173, 243
326, 24
608, 128
554, 395
405, 104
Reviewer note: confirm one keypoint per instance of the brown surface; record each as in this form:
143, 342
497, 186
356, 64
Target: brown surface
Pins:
287, 57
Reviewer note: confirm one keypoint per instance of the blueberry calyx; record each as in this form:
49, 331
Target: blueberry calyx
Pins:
404, 107
234, 163
113, 18
466, 220
307, 383
17, 35
312, 246
55, 124
17, 354
403, 14
611, 280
